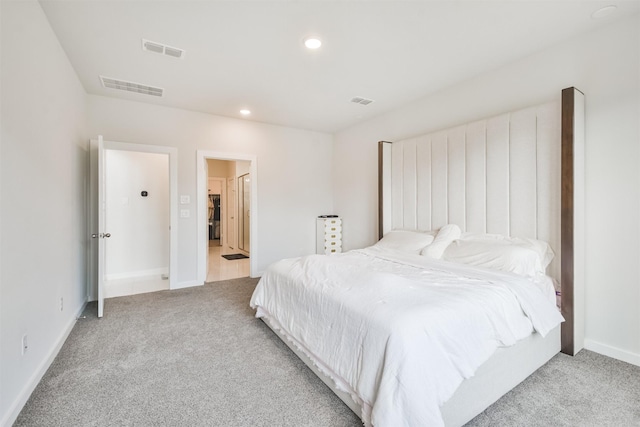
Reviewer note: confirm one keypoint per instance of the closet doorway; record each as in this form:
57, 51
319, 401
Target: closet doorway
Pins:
228, 222
216, 208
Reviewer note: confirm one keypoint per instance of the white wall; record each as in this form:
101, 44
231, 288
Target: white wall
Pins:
215, 185
220, 168
294, 171
242, 168
139, 226
603, 64
43, 164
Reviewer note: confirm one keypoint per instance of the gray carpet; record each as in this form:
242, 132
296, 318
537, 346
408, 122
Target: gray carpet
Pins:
198, 357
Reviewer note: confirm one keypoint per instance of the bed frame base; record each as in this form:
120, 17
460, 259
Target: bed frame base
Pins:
344, 396
507, 368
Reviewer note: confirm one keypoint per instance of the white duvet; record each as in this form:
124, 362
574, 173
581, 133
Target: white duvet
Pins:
398, 332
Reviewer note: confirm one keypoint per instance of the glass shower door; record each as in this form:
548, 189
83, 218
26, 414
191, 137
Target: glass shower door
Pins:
244, 207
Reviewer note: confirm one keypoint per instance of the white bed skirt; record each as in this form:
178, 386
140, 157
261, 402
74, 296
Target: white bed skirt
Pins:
508, 367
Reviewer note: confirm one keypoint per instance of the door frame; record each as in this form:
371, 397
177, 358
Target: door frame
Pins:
240, 213
92, 223
201, 186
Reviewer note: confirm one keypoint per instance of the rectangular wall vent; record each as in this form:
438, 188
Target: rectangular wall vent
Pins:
361, 100
153, 47
162, 49
170, 51
131, 87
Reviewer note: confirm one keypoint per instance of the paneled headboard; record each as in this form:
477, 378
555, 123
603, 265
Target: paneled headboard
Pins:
498, 175
504, 174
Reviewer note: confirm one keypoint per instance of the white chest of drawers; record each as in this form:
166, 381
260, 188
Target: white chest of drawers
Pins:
328, 236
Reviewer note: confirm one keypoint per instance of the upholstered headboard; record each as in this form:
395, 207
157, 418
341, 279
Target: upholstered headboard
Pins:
502, 175
498, 175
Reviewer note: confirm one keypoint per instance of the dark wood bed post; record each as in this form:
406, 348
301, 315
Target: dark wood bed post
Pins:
567, 223
380, 195
566, 220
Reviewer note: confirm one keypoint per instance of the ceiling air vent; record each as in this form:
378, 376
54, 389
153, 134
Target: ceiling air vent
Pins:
162, 49
131, 87
361, 100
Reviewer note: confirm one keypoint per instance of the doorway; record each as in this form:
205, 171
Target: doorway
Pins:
97, 209
213, 264
227, 257
216, 203
137, 218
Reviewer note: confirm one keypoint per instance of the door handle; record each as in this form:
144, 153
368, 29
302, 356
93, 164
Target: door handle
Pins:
101, 235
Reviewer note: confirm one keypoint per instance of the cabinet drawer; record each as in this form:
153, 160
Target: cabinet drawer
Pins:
332, 229
336, 235
336, 250
332, 244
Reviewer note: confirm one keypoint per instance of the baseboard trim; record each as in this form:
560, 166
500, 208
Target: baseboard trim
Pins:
18, 404
189, 284
134, 286
616, 353
137, 274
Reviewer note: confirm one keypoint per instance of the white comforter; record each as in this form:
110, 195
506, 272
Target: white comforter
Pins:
398, 332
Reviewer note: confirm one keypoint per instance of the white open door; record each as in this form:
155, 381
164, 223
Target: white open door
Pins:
97, 253
102, 235
97, 224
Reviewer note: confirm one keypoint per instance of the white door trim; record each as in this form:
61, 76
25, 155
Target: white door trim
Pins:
201, 187
172, 152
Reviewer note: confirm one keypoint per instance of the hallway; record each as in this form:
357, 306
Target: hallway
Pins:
223, 269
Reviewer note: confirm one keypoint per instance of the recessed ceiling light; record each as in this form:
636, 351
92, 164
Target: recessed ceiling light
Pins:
245, 112
604, 11
312, 42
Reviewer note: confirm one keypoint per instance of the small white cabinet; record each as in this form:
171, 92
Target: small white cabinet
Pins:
329, 235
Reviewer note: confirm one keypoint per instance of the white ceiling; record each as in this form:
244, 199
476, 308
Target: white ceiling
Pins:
242, 54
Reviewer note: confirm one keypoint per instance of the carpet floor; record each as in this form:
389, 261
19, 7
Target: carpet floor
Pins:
199, 357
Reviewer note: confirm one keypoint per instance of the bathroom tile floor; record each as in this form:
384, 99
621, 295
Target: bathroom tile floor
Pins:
223, 269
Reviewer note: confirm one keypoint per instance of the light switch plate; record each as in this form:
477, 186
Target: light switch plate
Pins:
185, 200
185, 213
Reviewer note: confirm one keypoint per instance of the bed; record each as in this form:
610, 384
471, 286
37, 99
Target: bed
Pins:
414, 330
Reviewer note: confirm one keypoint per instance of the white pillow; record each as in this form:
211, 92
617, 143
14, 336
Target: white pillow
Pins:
541, 247
526, 257
405, 241
446, 235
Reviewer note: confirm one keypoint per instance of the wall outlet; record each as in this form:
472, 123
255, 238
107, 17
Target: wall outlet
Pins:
25, 344
61, 303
